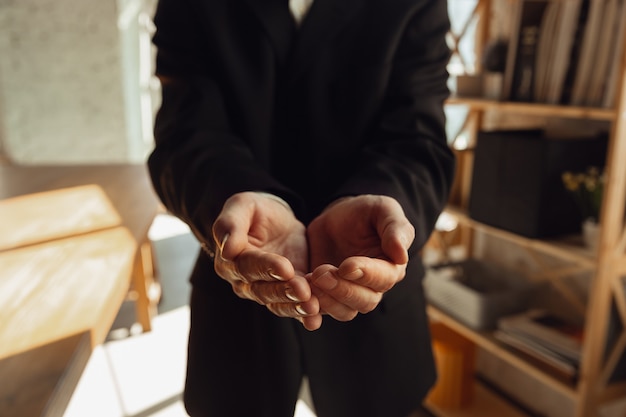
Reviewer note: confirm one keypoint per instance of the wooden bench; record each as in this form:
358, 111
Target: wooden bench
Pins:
73, 246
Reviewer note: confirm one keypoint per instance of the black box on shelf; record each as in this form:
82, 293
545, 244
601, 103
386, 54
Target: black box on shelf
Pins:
517, 185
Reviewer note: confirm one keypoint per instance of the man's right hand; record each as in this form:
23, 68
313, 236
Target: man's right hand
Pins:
262, 252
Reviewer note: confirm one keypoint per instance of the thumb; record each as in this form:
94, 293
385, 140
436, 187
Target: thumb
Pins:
230, 231
396, 240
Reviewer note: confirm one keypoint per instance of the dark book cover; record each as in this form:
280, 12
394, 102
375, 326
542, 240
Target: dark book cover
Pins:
570, 75
531, 15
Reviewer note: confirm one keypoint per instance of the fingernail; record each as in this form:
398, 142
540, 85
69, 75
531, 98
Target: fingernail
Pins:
404, 240
354, 275
221, 246
326, 281
300, 310
275, 276
289, 293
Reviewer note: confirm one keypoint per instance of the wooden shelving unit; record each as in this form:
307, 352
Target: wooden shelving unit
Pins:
490, 344
535, 109
592, 389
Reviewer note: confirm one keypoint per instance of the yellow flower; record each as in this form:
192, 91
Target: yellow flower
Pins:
587, 188
570, 181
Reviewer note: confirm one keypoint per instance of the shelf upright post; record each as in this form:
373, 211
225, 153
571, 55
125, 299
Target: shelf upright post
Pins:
606, 282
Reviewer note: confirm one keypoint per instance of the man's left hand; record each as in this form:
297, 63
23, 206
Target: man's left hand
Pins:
358, 250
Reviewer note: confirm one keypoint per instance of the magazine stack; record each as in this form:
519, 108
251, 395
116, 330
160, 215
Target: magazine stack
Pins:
546, 339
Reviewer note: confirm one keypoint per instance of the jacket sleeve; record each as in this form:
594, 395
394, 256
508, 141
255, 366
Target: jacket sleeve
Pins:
198, 160
406, 155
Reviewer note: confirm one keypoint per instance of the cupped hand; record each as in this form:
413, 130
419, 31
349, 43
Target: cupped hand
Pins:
358, 249
262, 252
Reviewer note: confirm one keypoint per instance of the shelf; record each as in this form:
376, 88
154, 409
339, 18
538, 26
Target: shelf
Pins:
486, 341
535, 109
484, 403
606, 266
568, 248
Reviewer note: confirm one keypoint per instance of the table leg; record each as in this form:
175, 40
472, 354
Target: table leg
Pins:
145, 288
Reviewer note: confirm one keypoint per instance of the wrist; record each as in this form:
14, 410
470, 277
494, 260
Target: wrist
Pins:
275, 198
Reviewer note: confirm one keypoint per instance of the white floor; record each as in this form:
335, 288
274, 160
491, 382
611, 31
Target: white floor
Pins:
142, 375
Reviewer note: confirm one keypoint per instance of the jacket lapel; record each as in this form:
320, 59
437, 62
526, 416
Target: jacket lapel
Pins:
322, 23
278, 23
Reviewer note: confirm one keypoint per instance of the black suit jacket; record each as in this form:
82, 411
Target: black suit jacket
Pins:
350, 103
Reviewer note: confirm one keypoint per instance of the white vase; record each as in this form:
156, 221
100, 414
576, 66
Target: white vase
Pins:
591, 234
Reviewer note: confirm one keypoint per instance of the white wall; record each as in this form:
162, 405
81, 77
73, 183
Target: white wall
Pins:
62, 97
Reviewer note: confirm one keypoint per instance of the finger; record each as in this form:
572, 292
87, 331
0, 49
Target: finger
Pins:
334, 308
311, 322
351, 294
258, 265
396, 232
395, 243
242, 290
295, 310
254, 265
227, 270
377, 274
294, 291
233, 244
230, 229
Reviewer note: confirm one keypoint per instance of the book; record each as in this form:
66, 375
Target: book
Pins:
550, 331
529, 27
545, 50
564, 39
610, 90
570, 75
509, 67
586, 58
604, 51
543, 356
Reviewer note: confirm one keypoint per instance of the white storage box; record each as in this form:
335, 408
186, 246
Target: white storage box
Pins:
476, 293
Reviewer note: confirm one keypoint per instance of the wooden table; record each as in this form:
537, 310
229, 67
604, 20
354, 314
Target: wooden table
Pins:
80, 244
127, 186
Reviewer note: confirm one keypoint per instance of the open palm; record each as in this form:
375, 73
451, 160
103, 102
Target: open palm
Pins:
357, 250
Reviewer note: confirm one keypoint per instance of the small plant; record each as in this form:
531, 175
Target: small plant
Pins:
587, 189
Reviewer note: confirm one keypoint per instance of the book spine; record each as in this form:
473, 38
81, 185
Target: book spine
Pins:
522, 86
570, 76
513, 38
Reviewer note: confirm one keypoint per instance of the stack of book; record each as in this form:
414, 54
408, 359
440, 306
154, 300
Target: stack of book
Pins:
545, 338
565, 52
